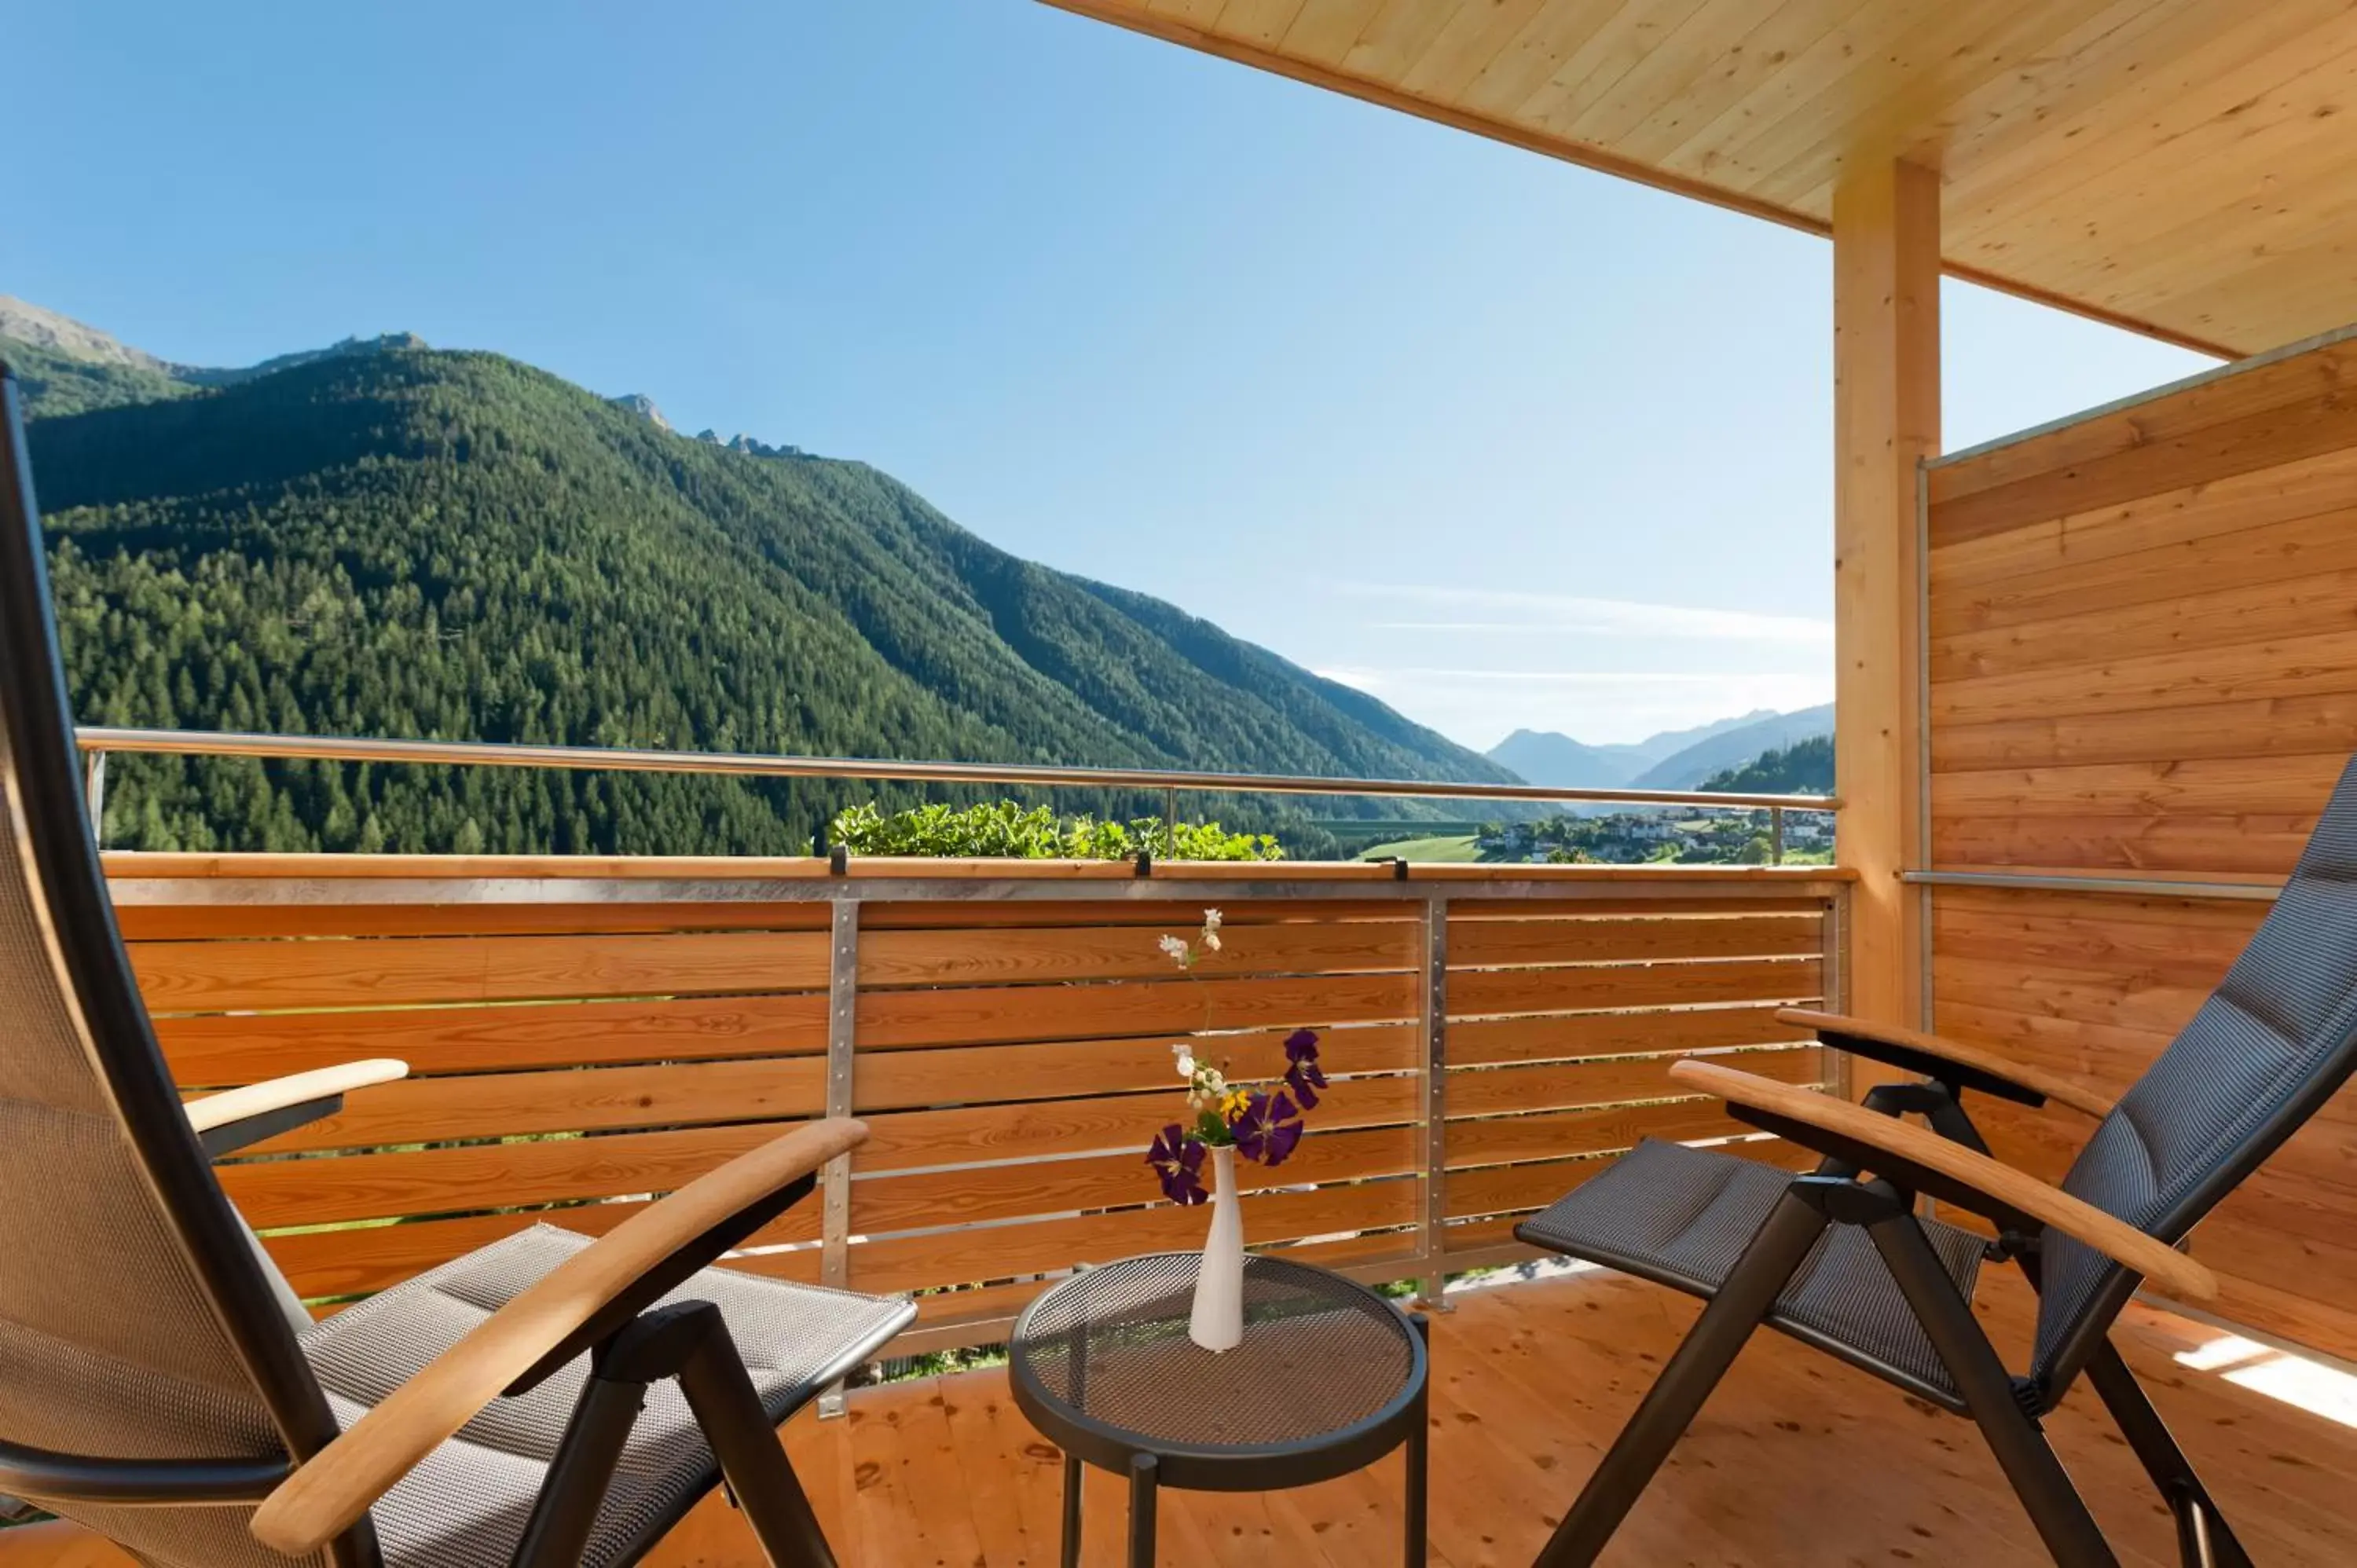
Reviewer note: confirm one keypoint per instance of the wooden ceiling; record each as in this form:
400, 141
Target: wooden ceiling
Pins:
2185, 168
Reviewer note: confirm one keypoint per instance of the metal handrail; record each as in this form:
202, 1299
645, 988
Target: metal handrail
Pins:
98, 741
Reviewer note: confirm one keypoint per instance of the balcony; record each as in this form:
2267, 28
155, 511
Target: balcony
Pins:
2097, 681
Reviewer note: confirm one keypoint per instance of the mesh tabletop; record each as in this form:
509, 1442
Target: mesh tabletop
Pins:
1320, 1354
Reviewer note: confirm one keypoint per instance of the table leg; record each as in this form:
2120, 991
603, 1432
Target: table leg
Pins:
1143, 1485
1418, 1444
1071, 1553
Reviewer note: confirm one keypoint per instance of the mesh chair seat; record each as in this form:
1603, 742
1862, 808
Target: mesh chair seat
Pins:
467, 1504
1680, 1217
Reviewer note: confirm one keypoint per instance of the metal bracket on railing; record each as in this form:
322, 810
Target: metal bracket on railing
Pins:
842, 1041
1775, 836
1433, 1165
93, 791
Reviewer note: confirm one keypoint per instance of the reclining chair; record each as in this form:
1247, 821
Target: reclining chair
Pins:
546, 1400
1840, 1260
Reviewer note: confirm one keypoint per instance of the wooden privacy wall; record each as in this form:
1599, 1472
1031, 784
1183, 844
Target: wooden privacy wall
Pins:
571, 1060
2143, 663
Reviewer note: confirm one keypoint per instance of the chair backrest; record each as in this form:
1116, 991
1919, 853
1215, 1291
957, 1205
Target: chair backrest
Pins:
135, 1321
2274, 1042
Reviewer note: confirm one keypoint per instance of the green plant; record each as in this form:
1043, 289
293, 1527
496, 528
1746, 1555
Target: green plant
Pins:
1005, 830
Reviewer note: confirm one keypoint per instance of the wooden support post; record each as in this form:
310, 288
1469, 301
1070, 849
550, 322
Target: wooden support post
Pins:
1886, 422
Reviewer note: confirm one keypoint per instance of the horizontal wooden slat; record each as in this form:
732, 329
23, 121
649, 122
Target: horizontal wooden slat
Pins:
1002, 1251
2264, 786
1489, 1092
2319, 664
1015, 954
232, 976
1477, 1041
2255, 844
315, 1192
895, 1020
2220, 510
1467, 904
432, 1110
1501, 1189
1554, 1134
1580, 989
204, 1052
215, 921
1107, 1181
906, 1139
2224, 622
2267, 727
888, 1080
2127, 435
1155, 914
2198, 936
372, 1258
1474, 944
2257, 441
2211, 590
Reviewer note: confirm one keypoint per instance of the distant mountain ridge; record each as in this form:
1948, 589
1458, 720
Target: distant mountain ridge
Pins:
387, 538
1674, 759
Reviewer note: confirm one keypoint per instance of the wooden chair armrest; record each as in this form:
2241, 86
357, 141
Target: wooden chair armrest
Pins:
2126, 1245
1847, 1031
327, 1494
211, 1112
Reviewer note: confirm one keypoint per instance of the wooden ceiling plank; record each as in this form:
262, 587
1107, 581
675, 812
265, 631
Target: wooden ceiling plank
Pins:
1740, 70
2165, 117
1262, 22
1474, 37
2293, 296
1824, 69
1326, 30
1189, 12
2279, 231
2118, 81
2054, 80
2198, 202
1903, 85
1609, 58
1538, 52
1397, 37
1921, 103
1673, 73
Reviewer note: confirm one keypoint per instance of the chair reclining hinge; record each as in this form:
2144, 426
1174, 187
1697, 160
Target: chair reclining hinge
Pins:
2010, 1245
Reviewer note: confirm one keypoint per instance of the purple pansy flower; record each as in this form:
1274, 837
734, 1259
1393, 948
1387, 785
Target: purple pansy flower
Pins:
1268, 1127
1177, 1160
1304, 1077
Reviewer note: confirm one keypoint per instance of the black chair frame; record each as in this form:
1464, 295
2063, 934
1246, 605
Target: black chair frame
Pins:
2009, 1410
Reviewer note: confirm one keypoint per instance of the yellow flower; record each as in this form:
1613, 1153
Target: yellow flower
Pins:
1235, 1102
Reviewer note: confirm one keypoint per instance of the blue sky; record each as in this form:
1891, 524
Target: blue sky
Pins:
1505, 442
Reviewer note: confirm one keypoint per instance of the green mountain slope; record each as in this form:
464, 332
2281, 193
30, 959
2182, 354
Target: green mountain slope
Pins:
398, 541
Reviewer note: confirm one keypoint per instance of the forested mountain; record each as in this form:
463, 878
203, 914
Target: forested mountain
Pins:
389, 541
1686, 768
1803, 767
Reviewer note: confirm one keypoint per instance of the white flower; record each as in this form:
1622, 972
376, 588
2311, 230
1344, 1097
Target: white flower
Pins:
1186, 1067
1211, 1082
1177, 950
1211, 919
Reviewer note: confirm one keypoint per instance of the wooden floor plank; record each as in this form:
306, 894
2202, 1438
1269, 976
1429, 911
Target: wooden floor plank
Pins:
1796, 1460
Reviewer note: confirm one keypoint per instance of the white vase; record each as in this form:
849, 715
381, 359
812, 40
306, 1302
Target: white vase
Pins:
1218, 1321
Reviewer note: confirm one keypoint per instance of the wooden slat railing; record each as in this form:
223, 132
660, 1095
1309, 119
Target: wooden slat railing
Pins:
588, 1035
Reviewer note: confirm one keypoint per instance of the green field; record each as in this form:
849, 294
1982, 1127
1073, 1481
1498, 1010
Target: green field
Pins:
1428, 849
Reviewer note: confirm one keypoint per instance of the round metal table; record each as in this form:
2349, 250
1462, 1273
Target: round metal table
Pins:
1330, 1377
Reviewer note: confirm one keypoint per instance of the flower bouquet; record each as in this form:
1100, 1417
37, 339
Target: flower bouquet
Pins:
1262, 1123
